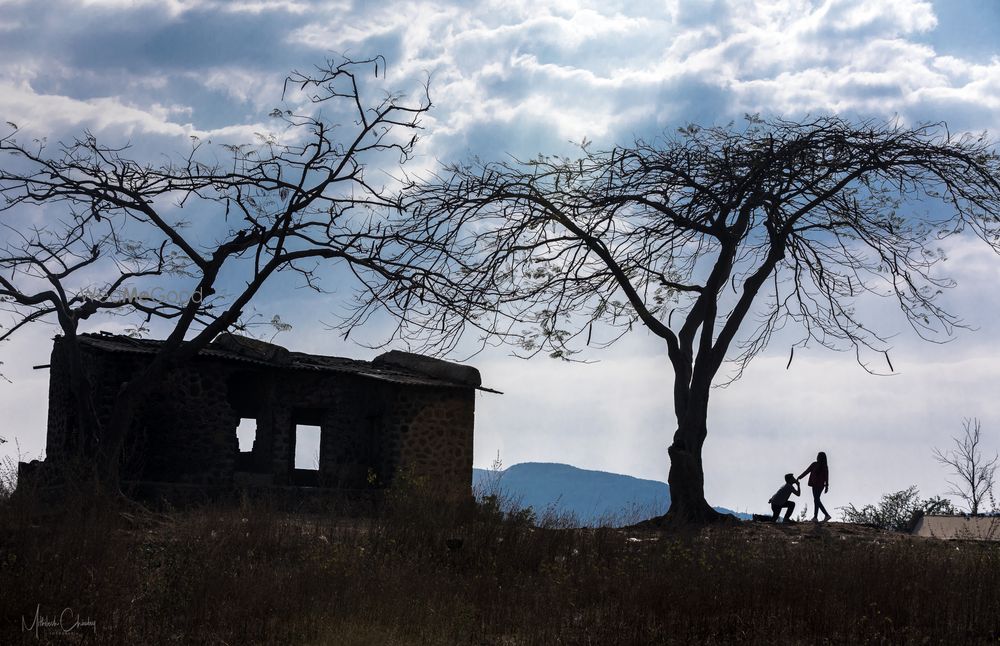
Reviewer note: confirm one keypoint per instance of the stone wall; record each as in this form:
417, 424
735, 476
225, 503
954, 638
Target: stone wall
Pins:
61, 431
186, 430
371, 430
344, 407
426, 437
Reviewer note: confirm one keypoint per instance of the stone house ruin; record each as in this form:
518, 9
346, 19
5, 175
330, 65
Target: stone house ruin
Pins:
369, 421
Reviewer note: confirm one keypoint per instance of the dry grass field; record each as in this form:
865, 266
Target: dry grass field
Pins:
423, 573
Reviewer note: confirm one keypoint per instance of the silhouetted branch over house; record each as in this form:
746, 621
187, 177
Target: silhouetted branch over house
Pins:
398, 412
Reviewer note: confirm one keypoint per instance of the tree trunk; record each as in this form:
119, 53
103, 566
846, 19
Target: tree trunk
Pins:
687, 478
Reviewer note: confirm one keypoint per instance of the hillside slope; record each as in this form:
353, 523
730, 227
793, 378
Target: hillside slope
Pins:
593, 497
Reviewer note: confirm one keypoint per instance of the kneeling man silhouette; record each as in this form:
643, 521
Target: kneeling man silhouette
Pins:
780, 500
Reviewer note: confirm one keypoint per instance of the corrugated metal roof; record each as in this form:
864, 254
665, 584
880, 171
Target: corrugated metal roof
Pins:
298, 360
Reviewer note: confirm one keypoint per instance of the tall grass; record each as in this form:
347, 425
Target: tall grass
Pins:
424, 572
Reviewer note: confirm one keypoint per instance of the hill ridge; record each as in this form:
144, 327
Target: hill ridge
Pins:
592, 496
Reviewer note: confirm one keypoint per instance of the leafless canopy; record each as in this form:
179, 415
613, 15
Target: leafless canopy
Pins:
974, 472
687, 235
217, 223
304, 194
712, 239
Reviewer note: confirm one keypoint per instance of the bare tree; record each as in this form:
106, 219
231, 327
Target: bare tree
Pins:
689, 237
296, 201
38, 266
974, 471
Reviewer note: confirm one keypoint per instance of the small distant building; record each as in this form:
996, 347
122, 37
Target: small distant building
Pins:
376, 419
979, 528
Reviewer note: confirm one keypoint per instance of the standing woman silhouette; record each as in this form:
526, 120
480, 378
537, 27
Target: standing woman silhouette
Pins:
819, 480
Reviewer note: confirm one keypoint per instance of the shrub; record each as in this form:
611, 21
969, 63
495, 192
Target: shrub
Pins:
895, 511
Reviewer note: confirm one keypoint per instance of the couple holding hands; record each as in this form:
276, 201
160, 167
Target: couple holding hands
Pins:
819, 481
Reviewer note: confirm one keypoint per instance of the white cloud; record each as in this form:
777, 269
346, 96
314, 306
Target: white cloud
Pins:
41, 113
44, 114
174, 8
242, 85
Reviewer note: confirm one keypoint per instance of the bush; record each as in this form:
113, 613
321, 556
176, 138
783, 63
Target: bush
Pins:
895, 511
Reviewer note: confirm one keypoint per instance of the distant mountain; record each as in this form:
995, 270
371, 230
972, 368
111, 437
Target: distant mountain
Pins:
592, 497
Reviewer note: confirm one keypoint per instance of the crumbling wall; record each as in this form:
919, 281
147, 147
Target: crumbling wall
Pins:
344, 409
104, 371
371, 431
60, 429
428, 435
185, 431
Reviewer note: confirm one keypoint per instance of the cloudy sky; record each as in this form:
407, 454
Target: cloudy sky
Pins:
534, 76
